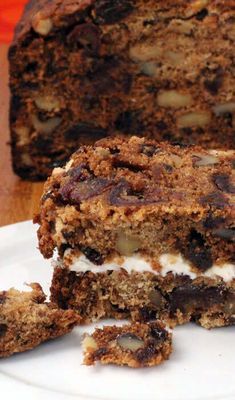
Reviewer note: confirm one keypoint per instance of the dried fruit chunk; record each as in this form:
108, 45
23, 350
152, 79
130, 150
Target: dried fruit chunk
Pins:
197, 251
75, 192
93, 255
225, 233
111, 11
224, 183
189, 298
156, 298
87, 35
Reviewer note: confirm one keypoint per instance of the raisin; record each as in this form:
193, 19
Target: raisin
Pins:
85, 129
214, 85
125, 164
197, 251
161, 126
129, 122
93, 255
214, 199
202, 14
43, 145
99, 353
3, 297
144, 355
16, 104
3, 329
225, 233
213, 79
212, 222
114, 150
147, 314
158, 334
87, 36
223, 183
112, 11
79, 173
31, 67
149, 149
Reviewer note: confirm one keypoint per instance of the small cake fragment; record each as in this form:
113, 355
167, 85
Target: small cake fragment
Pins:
26, 320
135, 345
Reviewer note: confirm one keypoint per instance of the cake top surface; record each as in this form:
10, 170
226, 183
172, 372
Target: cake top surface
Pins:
137, 172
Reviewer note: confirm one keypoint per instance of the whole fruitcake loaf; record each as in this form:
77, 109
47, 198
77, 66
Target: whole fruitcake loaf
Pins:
82, 70
26, 320
135, 345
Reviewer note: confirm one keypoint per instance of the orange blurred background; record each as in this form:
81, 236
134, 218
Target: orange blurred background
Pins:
10, 12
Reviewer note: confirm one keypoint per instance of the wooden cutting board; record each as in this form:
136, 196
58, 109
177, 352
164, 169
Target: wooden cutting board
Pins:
18, 199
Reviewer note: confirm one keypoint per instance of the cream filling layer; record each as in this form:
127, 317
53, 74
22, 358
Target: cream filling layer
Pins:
168, 262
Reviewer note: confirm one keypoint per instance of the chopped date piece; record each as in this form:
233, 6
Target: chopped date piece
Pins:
223, 183
149, 150
84, 129
3, 329
225, 233
87, 36
215, 199
76, 192
93, 255
118, 163
198, 252
112, 11
202, 14
192, 298
129, 122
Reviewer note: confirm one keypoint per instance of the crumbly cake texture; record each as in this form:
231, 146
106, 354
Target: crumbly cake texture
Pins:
26, 320
145, 296
135, 345
161, 69
126, 196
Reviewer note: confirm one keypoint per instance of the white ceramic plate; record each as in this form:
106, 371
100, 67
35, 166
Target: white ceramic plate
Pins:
201, 367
